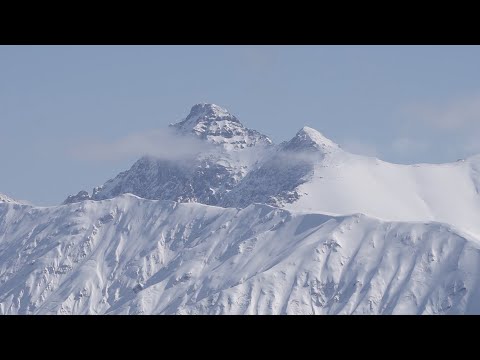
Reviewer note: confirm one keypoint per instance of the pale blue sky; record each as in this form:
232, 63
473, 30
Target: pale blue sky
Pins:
400, 103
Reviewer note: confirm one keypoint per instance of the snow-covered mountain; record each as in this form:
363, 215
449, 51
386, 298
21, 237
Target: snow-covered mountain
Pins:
308, 173
219, 127
134, 256
311, 173
275, 180
247, 227
206, 177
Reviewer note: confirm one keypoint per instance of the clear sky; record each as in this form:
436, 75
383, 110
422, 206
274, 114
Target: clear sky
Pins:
403, 104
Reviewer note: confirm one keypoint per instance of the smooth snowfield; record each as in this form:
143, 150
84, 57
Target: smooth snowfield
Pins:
134, 256
425, 192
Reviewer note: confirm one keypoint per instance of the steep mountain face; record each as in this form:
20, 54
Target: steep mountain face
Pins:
219, 127
198, 180
311, 173
205, 178
134, 256
276, 179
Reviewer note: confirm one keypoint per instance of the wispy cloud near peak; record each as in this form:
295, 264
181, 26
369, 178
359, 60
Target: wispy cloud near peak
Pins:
163, 144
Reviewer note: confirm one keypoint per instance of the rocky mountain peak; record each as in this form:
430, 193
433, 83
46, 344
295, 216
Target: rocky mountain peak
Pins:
209, 112
216, 125
6, 199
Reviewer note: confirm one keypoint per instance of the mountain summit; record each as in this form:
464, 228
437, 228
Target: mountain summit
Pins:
207, 112
206, 178
216, 125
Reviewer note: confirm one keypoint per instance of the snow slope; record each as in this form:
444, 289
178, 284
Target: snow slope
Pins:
286, 234
129, 255
312, 174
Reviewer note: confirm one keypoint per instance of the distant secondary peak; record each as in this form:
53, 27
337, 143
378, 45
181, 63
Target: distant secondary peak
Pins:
317, 137
81, 196
6, 199
308, 138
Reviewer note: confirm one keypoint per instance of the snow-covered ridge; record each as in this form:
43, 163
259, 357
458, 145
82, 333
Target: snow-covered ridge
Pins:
6, 199
308, 173
129, 255
266, 247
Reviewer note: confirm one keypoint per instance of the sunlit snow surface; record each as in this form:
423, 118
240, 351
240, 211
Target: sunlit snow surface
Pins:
133, 256
250, 227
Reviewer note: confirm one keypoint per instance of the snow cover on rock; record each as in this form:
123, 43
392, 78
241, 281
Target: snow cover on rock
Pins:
312, 174
5, 198
275, 180
207, 177
281, 238
308, 139
81, 196
134, 256
308, 173
218, 126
